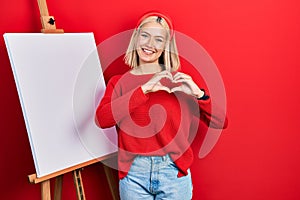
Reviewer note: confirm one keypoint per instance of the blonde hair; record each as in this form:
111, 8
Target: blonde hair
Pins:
169, 58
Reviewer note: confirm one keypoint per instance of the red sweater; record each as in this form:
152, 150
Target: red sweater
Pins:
156, 123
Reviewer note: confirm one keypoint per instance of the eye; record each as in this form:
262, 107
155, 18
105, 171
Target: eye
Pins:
159, 40
144, 35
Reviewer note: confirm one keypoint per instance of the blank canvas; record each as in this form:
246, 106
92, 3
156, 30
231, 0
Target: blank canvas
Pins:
60, 82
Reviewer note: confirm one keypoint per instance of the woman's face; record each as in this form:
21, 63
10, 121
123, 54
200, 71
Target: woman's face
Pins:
151, 42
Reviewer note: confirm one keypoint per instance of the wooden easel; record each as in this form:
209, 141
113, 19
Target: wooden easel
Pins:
76, 170
48, 22
48, 26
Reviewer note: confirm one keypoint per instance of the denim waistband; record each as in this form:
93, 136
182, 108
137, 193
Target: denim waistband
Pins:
155, 159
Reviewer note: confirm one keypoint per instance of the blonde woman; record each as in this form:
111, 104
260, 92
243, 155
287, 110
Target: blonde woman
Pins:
152, 106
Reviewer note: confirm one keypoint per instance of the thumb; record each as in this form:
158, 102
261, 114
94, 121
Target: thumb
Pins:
165, 88
175, 89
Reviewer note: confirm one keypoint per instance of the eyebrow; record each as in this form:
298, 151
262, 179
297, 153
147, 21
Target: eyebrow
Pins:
157, 36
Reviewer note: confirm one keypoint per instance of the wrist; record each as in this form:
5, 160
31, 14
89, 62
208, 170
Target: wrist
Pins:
144, 89
202, 95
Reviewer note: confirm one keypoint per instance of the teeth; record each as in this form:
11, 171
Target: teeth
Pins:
148, 51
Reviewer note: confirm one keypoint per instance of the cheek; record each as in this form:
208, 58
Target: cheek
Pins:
159, 52
141, 41
139, 52
160, 46
160, 49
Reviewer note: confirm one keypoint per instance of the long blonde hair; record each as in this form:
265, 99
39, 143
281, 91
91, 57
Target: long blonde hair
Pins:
169, 58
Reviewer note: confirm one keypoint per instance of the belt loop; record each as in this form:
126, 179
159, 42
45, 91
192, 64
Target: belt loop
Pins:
165, 157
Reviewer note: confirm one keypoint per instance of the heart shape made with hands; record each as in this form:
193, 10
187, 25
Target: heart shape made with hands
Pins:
169, 83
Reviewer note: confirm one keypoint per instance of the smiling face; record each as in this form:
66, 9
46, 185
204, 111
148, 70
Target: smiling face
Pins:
151, 42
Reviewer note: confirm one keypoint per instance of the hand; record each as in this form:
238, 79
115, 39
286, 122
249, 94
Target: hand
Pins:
154, 85
188, 86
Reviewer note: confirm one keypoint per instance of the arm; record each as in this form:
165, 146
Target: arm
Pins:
114, 106
217, 119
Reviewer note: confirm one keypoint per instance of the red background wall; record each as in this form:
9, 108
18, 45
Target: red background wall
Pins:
255, 45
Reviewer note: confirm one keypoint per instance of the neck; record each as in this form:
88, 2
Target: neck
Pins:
148, 68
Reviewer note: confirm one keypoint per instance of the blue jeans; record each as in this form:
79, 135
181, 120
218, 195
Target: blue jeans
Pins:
155, 178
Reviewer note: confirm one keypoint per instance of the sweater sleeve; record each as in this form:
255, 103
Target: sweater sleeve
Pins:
215, 118
114, 106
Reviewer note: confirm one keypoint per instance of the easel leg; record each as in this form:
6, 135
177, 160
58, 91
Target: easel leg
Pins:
111, 182
45, 188
58, 187
78, 184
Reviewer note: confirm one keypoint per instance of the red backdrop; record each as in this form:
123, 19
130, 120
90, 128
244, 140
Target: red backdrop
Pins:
255, 45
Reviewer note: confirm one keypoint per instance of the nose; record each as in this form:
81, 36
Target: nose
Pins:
150, 42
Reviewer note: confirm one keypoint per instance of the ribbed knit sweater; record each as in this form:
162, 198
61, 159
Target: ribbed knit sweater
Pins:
152, 124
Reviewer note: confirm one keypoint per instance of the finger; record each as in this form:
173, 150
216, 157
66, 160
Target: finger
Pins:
165, 89
176, 89
157, 78
187, 81
180, 75
159, 87
165, 74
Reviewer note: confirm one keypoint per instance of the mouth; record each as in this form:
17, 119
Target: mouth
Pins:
148, 51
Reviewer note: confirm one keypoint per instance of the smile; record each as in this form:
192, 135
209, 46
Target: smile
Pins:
148, 51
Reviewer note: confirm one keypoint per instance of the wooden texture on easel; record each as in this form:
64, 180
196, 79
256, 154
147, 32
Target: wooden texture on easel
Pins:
58, 187
45, 190
111, 182
78, 185
45, 181
43, 7
34, 179
48, 22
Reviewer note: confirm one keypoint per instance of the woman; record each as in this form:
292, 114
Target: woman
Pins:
152, 107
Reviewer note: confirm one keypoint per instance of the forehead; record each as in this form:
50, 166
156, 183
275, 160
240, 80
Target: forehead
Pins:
154, 28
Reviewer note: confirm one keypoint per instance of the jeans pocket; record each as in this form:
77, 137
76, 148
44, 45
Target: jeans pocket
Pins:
173, 165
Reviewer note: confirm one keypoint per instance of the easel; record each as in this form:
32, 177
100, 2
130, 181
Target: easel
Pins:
48, 26
48, 22
76, 170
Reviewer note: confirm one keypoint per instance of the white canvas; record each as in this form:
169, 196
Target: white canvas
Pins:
60, 82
